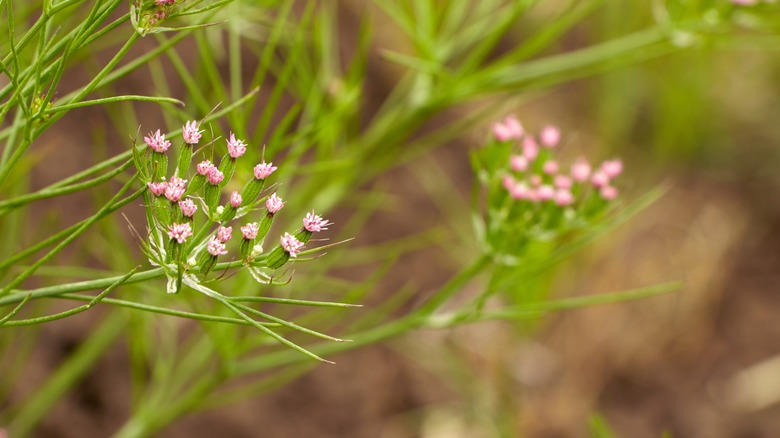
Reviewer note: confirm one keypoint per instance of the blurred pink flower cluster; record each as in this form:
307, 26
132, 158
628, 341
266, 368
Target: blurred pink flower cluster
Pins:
536, 176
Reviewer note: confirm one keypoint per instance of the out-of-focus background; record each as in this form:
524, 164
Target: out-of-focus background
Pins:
701, 362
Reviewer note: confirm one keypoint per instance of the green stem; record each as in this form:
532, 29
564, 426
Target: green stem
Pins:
52, 193
70, 106
416, 319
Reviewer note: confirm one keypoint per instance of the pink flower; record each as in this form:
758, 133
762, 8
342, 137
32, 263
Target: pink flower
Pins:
508, 182
744, 2
175, 189
215, 176
215, 247
180, 232
204, 167
291, 244
164, 2
250, 230
274, 203
158, 188
188, 208
563, 197
536, 180
609, 192
235, 199
550, 167
224, 234
190, 132
612, 168
236, 148
177, 182
545, 193
550, 136
264, 170
157, 142
520, 191
600, 178
562, 182
315, 223
533, 195
511, 129
530, 148
580, 170
518, 163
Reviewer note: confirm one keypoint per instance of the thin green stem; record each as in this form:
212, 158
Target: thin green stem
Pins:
70, 106
52, 193
160, 310
73, 311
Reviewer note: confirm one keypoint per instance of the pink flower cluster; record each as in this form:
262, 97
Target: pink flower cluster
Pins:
210, 171
250, 230
542, 179
175, 189
264, 170
274, 203
180, 232
236, 148
224, 234
157, 142
509, 129
215, 247
291, 244
235, 199
188, 207
315, 223
190, 132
